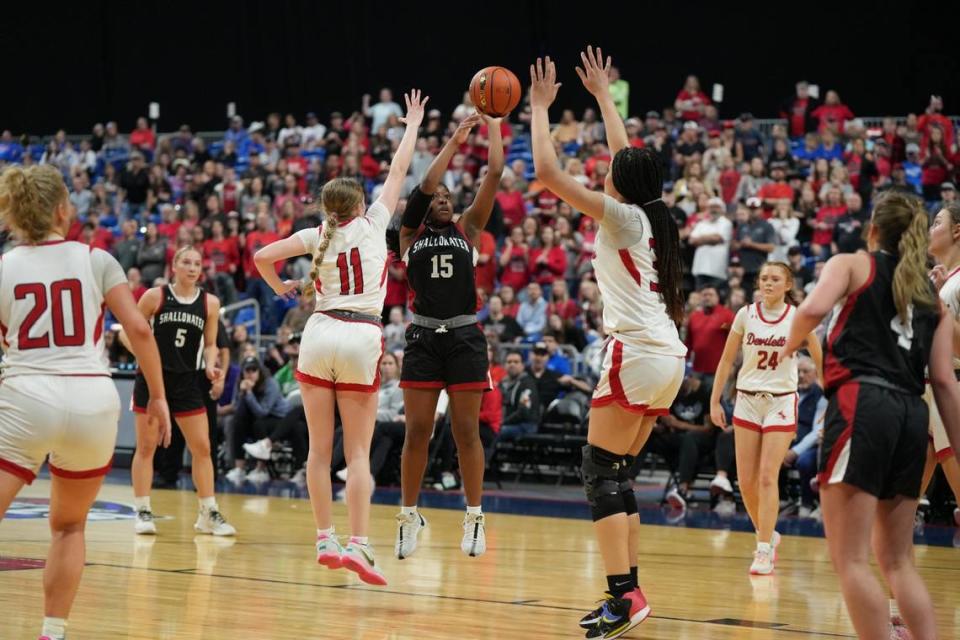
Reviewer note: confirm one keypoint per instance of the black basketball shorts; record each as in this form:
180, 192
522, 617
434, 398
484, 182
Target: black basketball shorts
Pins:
874, 439
455, 359
185, 394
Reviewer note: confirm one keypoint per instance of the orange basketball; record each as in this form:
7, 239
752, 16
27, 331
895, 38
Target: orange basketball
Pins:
495, 91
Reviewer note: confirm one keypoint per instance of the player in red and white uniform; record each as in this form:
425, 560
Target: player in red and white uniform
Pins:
56, 395
766, 404
639, 274
343, 341
945, 247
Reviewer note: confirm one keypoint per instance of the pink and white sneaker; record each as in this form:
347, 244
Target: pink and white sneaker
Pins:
639, 608
898, 629
329, 552
359, 559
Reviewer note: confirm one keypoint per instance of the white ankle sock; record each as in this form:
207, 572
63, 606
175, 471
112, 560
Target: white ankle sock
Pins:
894, 609
208, 504
142, 503
408, 510
55, 628
475, 510
325, 533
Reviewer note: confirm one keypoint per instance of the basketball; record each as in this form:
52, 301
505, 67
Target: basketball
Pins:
495, 91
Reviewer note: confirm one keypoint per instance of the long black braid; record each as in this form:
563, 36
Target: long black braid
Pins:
638, 176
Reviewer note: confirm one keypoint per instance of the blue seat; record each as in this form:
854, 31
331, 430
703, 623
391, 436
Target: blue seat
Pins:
109, 221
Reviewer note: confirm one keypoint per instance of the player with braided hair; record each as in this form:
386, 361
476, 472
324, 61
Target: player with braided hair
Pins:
343, 341
639, 273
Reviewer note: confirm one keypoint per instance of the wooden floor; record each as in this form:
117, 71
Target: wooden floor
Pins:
538, 577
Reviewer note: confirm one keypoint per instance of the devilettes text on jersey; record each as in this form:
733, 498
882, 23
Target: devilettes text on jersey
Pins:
765, 334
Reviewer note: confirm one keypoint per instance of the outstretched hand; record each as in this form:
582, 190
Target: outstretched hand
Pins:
463, 130
415, 108
595, 74
543, 83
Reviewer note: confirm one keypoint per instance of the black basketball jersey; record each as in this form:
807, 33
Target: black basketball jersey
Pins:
178, 328
866, 337
440, 269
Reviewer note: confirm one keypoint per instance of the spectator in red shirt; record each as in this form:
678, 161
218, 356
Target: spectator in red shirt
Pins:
896, 144
691, 101
825, 221
934, 118
729, 180
256, 287
798, 111
290, 193
486, 269
560, 302
510, 303
707, 330
396, 284
935, 164
515, 260
143, 137
135, 283
511, 201
549, 260
221, 252
776, 191
832, 111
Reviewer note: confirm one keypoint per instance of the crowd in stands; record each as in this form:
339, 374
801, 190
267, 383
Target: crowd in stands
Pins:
796, 190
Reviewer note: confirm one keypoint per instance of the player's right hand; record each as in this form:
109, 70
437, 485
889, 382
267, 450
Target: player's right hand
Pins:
595, 74
463, 131
159, 412
717, 415
938, 275
288, 289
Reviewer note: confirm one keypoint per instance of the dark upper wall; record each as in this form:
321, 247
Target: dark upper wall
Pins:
106, 60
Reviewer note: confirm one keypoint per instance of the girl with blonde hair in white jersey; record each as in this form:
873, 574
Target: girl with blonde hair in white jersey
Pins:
639, 274
52, 296
342, 342
945, 248
765, 413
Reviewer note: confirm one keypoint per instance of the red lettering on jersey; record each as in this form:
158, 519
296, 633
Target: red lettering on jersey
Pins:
771, 341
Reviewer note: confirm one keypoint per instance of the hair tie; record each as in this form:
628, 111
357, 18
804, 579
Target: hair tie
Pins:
652, 201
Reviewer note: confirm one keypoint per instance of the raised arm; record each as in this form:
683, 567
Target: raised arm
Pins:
543, 91
477, 215
390, 193
595, 76
438, 167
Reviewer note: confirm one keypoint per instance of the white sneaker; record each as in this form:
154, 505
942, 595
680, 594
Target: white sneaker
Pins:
804, 512
300, 477
342, 474
816, 515
721, 484
359, 559
258, 476
236, 475
448, 480
259, 449
725, 508
676, 499
212, 522
474, 539
762, 563
143, 524
408, 533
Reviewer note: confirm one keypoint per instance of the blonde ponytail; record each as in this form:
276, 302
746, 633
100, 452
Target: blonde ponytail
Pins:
902, 224
28, 198
340, 198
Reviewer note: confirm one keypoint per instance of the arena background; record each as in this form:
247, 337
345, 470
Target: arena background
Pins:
91, 61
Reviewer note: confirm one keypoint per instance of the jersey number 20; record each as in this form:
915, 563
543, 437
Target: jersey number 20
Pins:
54, 300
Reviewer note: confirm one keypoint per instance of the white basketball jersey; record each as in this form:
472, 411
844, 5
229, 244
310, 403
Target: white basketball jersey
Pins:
632, 308
950, 295
764, 337
353, 275
51, 308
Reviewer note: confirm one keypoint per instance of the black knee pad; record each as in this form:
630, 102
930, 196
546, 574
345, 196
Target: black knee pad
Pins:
626, 487
601, 470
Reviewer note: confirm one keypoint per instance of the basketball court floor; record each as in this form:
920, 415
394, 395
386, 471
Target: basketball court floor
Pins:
540, 574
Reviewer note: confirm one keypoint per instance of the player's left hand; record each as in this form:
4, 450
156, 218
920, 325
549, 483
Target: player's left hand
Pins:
938, 275
543, 83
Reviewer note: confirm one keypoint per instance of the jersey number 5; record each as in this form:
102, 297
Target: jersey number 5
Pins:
768, 360
41, 300
345, 272
442, 266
